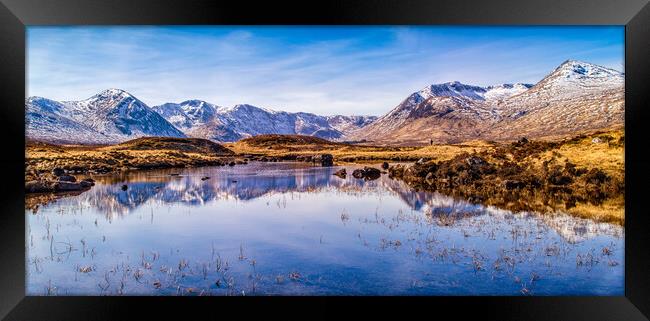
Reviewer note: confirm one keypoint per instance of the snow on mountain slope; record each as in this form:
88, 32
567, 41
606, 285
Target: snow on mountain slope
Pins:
503, 91
575, 96
227, 124
347, 124
109, 117
188, 113
44, 122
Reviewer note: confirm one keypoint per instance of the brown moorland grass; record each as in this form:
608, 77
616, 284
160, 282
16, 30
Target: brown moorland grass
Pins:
292, 146
141, 153
582, 175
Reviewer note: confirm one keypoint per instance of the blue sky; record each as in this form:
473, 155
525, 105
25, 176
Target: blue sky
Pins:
324, 70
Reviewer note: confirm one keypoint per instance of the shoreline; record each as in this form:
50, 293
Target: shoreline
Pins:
582, 176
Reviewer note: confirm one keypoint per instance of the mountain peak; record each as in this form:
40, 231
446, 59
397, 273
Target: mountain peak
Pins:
194, 102
582, 75
114, 92
452, 89
111, 94
584, 69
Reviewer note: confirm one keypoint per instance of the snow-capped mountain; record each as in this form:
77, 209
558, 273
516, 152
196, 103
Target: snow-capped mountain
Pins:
575, 96
45, 122
226, 124
114, 116
109, 117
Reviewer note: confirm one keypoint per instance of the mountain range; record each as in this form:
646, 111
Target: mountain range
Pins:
576, 96
114, 116
198, 118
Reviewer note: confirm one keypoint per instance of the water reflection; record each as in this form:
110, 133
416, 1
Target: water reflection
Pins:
260, 179
240, 183
290, 228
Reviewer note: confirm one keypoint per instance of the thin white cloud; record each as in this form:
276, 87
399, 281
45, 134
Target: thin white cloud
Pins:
346, 74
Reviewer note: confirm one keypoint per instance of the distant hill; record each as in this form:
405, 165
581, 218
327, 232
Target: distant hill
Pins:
189, 145
273, 140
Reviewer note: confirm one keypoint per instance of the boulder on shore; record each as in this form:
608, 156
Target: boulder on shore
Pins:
57, 171
38, 187
62, 183
385, 165
513, 184
326, 160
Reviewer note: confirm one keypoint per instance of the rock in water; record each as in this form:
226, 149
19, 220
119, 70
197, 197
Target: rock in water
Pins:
67, 178
358, 173
67, 186
327, 160
385, 165
371, 173
124, 187
86, 184
341, 173
367, 173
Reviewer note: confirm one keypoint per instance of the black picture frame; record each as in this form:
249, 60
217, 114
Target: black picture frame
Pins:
16, 14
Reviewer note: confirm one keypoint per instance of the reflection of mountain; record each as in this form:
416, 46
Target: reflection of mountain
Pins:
258, 180
158, 186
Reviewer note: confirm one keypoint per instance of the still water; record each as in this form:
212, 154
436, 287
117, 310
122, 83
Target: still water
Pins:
294, 229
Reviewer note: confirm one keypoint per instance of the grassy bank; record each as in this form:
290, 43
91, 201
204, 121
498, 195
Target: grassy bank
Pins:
582, 175
142, 153
290, 147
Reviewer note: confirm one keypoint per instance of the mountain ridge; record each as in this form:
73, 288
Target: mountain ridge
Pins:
574, 96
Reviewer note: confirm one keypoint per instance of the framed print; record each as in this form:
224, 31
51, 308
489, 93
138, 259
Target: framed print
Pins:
418, 154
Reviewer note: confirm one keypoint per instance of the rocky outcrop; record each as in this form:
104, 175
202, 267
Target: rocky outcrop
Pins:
511, 177
54, 184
